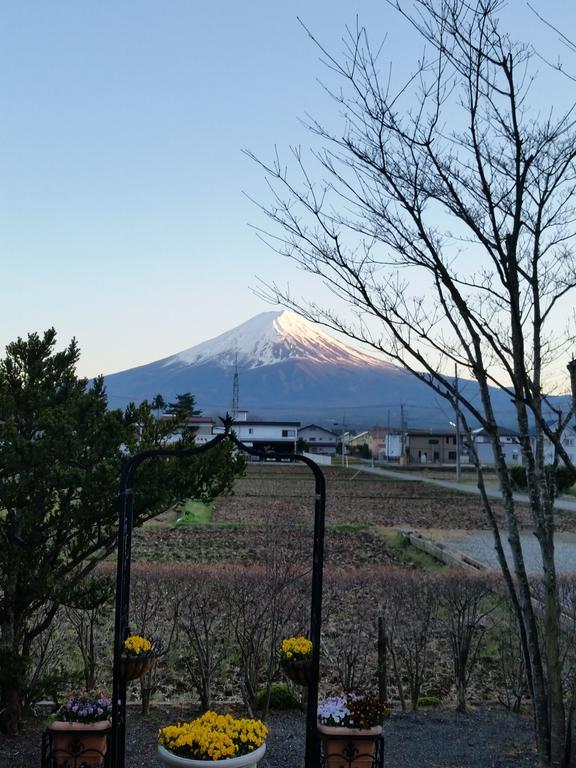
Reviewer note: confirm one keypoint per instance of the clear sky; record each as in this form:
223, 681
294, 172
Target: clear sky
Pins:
122, 123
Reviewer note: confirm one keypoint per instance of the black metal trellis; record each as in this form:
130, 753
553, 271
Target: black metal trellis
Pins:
126, 509
75, 753
351, 753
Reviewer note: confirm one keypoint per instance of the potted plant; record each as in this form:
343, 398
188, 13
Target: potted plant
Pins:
138, 655
211, 740
80, 728
296, 659
350, 726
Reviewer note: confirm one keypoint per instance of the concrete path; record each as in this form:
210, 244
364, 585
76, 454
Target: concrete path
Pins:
493, 491
479, 545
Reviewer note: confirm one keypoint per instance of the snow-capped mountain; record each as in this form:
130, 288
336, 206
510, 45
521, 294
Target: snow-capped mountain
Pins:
289, 367
271, 338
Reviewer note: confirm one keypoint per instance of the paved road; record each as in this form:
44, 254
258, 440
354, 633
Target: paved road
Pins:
493, 491
480, 544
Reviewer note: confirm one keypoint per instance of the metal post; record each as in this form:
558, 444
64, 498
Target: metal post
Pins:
126, 511
312, 757
458, 446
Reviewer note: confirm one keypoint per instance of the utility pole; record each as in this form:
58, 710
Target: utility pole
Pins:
402, 434
457, 408
236, 392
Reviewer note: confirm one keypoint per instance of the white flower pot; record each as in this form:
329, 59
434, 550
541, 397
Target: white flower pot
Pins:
250, 760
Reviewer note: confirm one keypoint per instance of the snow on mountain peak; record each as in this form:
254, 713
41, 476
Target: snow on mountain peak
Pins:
268, 339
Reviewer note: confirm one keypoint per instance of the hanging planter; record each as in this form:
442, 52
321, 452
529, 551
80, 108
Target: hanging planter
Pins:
296, 659
213, 740
139, 654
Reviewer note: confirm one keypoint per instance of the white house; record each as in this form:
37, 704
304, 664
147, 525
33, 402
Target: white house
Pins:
204, 428
318, 439
278, 436
508, 441
568, 444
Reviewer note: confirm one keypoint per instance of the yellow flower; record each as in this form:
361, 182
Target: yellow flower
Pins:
213, 737
296, 648
137, 645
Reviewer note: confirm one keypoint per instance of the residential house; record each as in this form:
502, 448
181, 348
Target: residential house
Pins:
318, 439
433, 447
508, 442
568, 444
204, 428
355, 443
274, 436
385, 443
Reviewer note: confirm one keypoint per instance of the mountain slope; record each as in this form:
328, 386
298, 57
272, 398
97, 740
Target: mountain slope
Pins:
291, 368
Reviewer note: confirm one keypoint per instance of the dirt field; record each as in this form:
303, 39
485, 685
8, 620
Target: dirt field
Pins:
361, 510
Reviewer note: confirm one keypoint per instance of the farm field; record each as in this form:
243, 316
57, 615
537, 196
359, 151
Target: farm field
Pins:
276, 502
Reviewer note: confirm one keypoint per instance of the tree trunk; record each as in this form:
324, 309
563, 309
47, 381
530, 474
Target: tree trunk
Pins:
12, 687
146, 694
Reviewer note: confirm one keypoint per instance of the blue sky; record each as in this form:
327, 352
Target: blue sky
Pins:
122, 215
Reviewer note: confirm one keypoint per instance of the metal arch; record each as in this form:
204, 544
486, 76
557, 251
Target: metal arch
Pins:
125, 527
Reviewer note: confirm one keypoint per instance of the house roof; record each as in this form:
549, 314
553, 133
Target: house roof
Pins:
317, 426
253, 423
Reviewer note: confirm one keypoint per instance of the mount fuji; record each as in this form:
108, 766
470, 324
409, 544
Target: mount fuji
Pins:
288, 368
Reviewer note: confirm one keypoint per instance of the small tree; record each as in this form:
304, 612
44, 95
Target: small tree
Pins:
61, 450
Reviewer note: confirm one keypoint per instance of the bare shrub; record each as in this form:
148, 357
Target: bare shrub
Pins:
154, 611
205, 622
465, 600
91, 622
264, 604
512, 681
48, 669
408, 607
350, 618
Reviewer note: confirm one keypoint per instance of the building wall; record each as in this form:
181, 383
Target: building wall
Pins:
248, 432
432, 448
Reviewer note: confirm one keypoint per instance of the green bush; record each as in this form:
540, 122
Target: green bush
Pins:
281, 697
564, 478
518, 478
429, 701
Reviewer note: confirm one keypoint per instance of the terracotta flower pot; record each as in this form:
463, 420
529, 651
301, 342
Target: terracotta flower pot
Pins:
349, 747
133, 667
299, 671
250, 760
75, 744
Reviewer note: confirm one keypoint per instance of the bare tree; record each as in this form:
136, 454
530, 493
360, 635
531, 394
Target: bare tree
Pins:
444, 216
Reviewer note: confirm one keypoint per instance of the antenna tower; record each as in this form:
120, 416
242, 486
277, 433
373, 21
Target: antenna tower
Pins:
236, 390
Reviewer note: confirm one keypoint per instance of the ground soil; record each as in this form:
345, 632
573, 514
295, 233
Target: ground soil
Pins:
485, 738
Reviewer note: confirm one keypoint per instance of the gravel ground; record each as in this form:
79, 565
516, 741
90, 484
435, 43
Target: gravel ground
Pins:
486, 738
480, 546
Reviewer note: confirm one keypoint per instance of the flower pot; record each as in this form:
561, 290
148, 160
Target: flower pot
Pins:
299, 671
133, 667
250, 760
349, 747
79, 744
